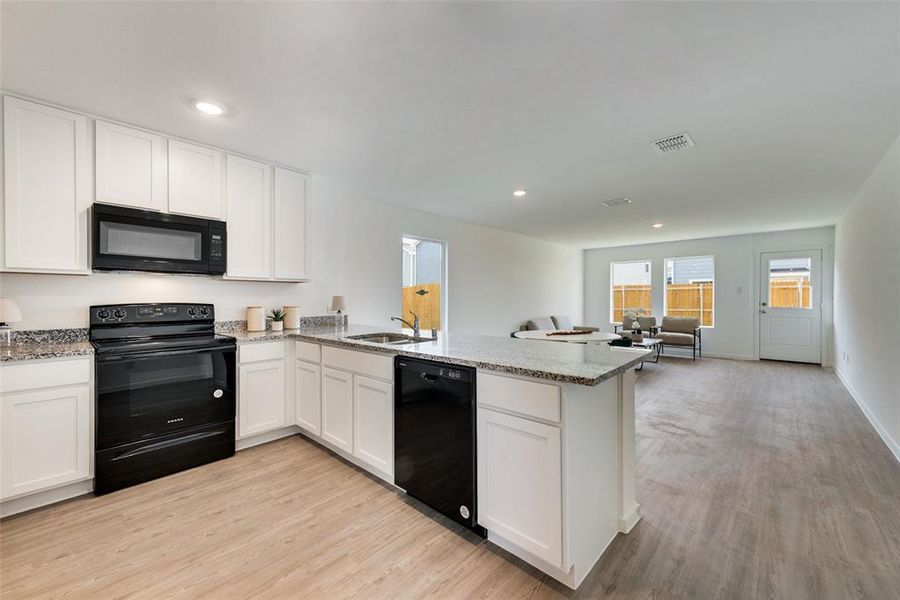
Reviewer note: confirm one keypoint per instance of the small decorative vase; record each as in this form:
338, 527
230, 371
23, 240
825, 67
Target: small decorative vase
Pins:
256, 318
292, 317
277, 325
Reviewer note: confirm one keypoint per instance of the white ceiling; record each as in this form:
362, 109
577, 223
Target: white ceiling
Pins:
448, 107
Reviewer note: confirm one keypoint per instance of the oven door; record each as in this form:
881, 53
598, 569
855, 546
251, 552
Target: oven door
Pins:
147, 395
137, 240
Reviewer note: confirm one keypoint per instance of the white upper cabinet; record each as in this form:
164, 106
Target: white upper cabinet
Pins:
195, 181
248, 201
47, 188
131, 167
291, 225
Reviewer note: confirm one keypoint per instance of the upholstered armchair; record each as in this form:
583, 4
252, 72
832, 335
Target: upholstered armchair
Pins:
682, 331
630, 323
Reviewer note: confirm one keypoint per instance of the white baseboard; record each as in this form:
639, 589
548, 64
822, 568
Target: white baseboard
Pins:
15, 506
892, 444
630, 519
728, 356
265, 438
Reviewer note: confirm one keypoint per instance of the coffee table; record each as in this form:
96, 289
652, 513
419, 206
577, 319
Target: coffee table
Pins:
650, 344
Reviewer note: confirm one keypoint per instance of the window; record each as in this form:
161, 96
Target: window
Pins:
630, 289
690, 288
423, 282
789, 285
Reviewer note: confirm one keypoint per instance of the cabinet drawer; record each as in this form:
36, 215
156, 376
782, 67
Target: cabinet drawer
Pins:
309, 352
33, 375
256, 352
374, 365
529, 398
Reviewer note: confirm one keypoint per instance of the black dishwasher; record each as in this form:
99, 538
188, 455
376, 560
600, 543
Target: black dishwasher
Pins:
434, 437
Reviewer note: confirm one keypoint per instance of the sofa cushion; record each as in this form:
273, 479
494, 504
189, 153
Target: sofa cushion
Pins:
538, 323
680, 324
647, 322
676, 339
562, 321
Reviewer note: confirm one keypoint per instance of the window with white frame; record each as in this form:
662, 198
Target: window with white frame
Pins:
690, 288
424, 289
630, 288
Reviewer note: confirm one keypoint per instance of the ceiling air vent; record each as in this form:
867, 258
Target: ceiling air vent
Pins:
674, 142
616, 202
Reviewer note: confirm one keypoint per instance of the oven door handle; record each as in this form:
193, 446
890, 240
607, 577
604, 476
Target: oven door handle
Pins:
163, 353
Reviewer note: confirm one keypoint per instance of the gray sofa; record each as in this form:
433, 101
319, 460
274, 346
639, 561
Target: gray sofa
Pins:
554, 322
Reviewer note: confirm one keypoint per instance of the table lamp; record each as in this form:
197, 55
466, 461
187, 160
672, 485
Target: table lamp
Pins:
9, 313
338, 305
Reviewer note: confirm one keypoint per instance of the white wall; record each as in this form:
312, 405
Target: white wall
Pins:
866, 289
736, 287
496, 279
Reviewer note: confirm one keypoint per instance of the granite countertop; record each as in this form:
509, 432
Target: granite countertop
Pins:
37, 351
583, 364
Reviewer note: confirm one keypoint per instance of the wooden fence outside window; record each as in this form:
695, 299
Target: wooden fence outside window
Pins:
427, 306
790, 292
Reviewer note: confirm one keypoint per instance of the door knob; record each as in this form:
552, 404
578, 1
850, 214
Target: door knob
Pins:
762, 312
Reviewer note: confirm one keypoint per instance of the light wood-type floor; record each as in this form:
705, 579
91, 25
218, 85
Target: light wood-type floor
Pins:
757, 480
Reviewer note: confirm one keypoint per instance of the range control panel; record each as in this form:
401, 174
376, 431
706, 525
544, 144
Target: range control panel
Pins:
144, 313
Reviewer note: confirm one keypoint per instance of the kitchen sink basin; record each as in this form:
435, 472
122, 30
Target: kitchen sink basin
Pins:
388, 338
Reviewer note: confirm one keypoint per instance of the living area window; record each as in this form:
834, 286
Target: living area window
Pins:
690, 288
630, 289
424, 282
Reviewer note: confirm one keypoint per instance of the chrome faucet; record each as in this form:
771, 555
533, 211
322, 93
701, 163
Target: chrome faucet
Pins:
414, 325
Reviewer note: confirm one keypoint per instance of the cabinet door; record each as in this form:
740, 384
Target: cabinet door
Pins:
337, 408
45, 438
308, 397
131, 167
291, 225
373, 415
47, 188
195, 181
520, 483
248, 204
261, 397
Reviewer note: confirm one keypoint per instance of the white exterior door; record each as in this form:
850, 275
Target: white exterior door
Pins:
45, 438
337, 408
131, 167
308, 397
47, 188
248, 199
261, 397
790, 306
373, 412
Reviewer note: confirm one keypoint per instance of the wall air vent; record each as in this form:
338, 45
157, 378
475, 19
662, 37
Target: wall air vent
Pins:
674, 142
616, 202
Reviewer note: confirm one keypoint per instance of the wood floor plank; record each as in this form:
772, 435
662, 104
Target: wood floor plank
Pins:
756, 480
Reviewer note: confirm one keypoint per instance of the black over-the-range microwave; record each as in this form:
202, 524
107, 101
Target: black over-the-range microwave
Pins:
131, 239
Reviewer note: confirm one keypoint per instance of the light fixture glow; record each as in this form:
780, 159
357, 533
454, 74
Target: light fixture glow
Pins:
210, 107
519, 193
657, 225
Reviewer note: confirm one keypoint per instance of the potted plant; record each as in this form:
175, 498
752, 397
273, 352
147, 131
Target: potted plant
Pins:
277, 318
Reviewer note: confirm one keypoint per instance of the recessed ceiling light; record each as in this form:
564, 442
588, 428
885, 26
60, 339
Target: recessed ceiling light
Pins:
657, 225
519, 193
210, 107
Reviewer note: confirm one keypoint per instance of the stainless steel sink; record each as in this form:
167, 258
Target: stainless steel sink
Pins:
388, 338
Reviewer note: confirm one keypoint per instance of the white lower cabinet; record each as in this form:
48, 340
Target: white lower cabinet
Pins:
337, 408
373, 416
520, 483
46, 434
262, 400
308, 396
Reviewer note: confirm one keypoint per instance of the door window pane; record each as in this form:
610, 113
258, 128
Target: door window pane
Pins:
789, 284
630, 289
690, 288
423, 281
126, 239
